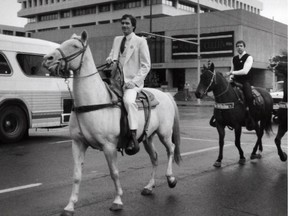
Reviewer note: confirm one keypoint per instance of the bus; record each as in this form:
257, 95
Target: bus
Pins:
29, 96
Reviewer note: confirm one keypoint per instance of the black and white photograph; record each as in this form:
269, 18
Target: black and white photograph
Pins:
143, 107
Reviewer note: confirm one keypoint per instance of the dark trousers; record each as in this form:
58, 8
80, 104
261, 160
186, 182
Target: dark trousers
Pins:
248, 93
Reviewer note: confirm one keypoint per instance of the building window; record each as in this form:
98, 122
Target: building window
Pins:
65, 14
7, 32
4, 66
157, 48
64, 27
24, 5
126, 5
48, 17
84, 11
29, 4
83, 25
21, 34
35, 3
40, 2
186, 7
31, 65
47, 29
104, 22
154, 2
104, 8
32, 20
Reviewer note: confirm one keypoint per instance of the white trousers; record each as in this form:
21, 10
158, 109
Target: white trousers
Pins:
130, 104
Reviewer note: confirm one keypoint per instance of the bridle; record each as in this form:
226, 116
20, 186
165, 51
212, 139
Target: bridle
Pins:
211, 82
67, 59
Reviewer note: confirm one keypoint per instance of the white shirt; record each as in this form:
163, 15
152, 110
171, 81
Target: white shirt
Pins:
246, 68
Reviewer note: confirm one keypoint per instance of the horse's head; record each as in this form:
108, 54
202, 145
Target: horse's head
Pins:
279, 64
206, 84
68, 57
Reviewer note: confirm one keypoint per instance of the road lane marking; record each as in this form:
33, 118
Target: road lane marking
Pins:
202, 150
19, 188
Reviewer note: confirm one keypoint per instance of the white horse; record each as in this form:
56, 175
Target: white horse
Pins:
101, 128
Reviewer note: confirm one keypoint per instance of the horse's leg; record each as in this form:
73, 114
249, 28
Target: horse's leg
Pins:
258, 145
237, 131
150, 149
169, 145
110, 153
221, 132
78, 150
280, 133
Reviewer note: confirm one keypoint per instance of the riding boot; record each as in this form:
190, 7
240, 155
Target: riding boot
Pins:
249, 121
212, 121
133, 145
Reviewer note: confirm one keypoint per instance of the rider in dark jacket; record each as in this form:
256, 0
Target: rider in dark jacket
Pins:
240, 72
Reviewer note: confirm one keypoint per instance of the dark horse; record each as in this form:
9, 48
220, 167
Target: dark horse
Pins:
230, 111
279, 63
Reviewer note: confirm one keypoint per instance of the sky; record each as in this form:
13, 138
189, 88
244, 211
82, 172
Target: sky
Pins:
271, 8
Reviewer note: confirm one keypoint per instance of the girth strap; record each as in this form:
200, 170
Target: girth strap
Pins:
90, 108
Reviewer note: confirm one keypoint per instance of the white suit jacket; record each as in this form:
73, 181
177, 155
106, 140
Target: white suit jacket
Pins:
137, 63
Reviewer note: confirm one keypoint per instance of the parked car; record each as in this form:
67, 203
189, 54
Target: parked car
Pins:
277, 97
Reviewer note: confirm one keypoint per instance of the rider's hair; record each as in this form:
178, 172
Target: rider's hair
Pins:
241, 42
132, 19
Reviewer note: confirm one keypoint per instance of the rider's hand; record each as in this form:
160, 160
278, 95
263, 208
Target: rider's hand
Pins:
129, 85
109, 60
228, 73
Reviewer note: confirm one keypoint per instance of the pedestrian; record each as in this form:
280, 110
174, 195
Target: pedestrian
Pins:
131, 53
210, 65
241, 65
186, 90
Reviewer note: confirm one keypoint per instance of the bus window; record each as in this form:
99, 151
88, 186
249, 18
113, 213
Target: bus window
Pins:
4, 66
31, 65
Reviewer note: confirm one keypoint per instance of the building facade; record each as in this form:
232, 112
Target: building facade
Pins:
46, 15
12, 30
175, 62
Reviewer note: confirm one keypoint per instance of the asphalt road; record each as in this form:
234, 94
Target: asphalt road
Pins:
36, 176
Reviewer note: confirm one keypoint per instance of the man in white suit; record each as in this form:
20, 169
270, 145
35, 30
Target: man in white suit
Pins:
131, 52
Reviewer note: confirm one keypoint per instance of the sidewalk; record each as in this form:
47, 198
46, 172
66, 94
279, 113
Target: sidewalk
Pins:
192, 100
201, 103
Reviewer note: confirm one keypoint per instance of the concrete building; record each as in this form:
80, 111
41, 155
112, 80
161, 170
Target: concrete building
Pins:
46, 15
173, 62
12, 30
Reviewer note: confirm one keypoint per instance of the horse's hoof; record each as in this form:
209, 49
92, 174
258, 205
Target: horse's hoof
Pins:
217, 164
131, 151
255, 156
116, 207
146, 192
172, 183
283, 157
67, 213
242, 161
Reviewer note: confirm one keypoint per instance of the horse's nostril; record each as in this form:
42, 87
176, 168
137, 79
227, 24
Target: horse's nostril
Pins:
50, 58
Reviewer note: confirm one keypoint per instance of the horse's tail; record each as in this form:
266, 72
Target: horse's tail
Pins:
267, 122
176, 132
267, 112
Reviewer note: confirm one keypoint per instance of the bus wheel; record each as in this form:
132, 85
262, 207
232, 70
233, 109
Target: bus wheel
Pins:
13, 124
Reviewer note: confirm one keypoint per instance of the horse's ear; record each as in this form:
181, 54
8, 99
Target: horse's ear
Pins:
84, 36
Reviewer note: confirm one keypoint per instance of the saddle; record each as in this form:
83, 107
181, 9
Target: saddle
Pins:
145, 101
258, 100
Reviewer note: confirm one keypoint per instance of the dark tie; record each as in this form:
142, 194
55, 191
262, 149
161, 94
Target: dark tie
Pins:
122, 47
